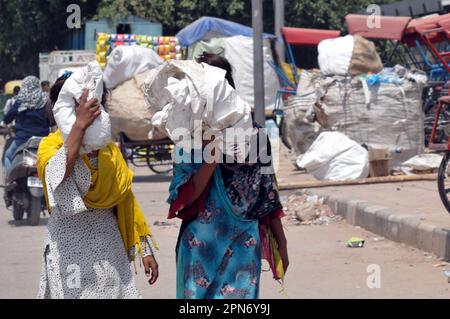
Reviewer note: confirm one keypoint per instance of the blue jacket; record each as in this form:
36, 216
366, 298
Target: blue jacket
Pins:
28, 123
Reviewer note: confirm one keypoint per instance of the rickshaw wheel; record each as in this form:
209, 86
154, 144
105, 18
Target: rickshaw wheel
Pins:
122, 148
157, 168
161, 169
443, 177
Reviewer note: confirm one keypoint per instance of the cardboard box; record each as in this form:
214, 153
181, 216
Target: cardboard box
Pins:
379, 162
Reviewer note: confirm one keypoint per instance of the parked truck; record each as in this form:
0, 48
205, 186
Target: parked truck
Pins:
52, 65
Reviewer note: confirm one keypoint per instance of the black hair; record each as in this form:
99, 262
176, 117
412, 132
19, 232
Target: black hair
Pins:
218, 61
16, 90
44, 83
54, 93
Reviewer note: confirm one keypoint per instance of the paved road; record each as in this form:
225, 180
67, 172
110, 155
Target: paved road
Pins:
321, 265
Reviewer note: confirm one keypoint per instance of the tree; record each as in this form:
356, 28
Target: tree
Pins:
174, 15
29, 27
32, 26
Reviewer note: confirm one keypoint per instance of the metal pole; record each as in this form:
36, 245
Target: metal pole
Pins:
258, 62
278, 6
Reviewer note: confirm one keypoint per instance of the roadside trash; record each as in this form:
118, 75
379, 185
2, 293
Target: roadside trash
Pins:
378, 238
422, 163
127, 61
355, 242
309, 210
98, 134
447, 274
443, 264
163, 223
333, 156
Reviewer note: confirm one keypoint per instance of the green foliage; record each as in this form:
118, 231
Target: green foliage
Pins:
174, 15
29, 27
323, 14
32, 26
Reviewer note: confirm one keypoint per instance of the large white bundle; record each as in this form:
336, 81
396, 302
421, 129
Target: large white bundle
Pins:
89, 77
238, 50
333, 156
125, 62
350, 55
335, 55
383, 116
128, 112
184, 94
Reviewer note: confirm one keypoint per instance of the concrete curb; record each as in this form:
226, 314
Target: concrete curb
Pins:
380, 220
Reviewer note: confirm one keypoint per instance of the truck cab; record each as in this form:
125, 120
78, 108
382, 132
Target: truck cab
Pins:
52, 65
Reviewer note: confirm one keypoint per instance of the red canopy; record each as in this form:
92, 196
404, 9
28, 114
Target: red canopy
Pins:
312, 37
391, 28
423, 24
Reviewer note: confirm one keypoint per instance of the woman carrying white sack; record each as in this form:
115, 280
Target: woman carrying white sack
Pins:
96, 227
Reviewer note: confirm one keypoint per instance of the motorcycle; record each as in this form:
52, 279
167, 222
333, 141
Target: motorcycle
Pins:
23, 187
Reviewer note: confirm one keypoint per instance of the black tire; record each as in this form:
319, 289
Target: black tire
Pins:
35, 210
160, 169
122, 148
444, 192
18, 211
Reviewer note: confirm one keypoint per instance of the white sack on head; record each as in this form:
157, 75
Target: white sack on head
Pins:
98, 135
182, 92
125, 62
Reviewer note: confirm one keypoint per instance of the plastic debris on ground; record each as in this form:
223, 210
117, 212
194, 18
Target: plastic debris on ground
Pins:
422, 163
308, 210
164, 223
355, 242
447, 274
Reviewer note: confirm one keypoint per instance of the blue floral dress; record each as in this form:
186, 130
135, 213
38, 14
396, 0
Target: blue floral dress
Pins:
218, 250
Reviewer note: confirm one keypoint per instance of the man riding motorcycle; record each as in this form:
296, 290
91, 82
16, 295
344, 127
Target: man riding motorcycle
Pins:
30, 116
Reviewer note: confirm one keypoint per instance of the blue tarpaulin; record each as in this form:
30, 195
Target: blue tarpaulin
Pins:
197, 30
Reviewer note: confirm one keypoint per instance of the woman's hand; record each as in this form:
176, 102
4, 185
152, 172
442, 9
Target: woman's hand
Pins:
284, 255
151, 268
278, 232
86, 111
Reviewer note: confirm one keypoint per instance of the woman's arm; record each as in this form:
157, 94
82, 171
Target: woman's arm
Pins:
11, 114
200, 180
278, 232
87, 112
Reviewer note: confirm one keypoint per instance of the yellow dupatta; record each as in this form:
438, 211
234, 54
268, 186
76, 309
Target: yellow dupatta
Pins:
110, 187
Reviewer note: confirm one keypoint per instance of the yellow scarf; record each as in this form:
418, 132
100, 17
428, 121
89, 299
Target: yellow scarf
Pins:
110, 187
